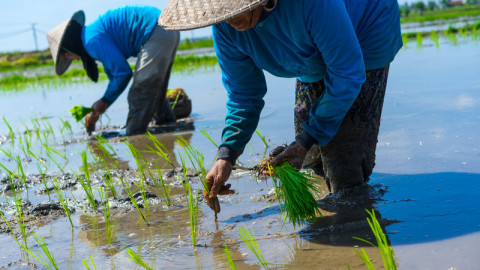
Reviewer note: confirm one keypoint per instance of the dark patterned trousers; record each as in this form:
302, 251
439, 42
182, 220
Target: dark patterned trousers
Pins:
348, 159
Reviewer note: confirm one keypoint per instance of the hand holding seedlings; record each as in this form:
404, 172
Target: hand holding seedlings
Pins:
91, 119
294, 154
79, 112
216, 179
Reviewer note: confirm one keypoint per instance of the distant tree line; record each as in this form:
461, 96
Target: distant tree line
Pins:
421, 6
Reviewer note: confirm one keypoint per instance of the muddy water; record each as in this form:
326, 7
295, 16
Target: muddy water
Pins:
425, 186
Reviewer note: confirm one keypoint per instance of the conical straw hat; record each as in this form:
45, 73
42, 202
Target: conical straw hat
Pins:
55, 40
193, 14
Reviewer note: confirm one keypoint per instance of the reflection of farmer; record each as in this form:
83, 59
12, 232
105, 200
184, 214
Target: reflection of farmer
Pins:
112, 39
339, 51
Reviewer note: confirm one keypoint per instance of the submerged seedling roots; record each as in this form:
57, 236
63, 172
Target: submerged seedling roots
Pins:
265, 163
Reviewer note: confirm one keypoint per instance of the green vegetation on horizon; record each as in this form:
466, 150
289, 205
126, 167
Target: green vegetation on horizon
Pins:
15, 82
440, 14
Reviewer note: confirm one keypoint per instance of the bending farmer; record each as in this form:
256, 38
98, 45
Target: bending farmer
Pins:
112, 39
339, 51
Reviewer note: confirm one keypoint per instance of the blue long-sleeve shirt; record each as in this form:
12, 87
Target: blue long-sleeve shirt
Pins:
333, 40
114, 37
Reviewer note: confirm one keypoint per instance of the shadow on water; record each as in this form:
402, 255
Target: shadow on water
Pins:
432, 213
432, 207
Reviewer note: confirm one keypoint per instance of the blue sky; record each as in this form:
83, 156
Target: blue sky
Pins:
17, 17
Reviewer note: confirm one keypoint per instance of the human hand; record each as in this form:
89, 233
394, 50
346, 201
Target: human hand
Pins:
216, 179
99, 107
90, 121
295, 154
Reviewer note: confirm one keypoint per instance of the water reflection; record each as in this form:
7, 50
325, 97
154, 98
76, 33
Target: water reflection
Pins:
145, 145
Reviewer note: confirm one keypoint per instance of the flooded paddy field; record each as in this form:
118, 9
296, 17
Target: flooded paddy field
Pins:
424, 189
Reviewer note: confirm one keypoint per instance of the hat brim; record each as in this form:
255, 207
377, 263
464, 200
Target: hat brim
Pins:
56, 37
176, 16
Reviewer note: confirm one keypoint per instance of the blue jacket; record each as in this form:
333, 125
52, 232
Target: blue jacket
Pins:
114, 37
333, 40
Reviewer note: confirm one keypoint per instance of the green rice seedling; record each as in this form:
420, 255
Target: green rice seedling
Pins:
405, 41
435, 38
193, 213
21, 173
36, 127
71, 251
195, 157
132, 199
176, 100
143, 193
251, 242
10, 228
86, 264
419, 38
18, 213
8, 154
40, 160
163, 189
262, 138
141, 176
27, 130
109, 182
160, 149
87, 188
194, 154
86, 184
92, 219
10, 131
106, 213
107, 150
205, 133
48, 262
295, 191
137, 259
137, 156
79, 112
230, 261
45, 135
48, 127
62, 200
474, 33
26, 146
386, 251
65, 126
50, 154
184, 182
44, 181
20, 218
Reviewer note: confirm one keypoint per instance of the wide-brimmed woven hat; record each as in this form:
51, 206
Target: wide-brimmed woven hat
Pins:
55, 39
193, 14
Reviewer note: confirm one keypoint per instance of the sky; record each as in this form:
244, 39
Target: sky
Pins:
17, 17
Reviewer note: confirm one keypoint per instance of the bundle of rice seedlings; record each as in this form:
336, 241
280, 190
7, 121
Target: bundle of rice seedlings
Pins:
79, 112
296, 193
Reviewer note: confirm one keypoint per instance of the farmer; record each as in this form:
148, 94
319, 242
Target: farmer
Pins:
339, 51
112, 39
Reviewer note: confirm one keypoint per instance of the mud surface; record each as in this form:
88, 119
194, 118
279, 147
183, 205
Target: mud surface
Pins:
424, 189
